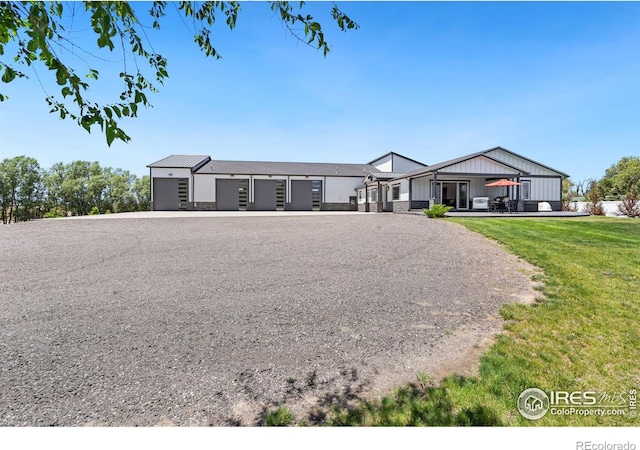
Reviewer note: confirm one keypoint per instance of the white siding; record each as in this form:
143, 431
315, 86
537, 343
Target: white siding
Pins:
163, 172
545, 189
361, 196
404, 190
384, 164
479, 164
421, 188
403, 165
204, 188
339, 189
520, 163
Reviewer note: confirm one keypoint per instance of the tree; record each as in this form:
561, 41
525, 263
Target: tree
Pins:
37, 32
21, 190
568, 194
621, 178
142, 192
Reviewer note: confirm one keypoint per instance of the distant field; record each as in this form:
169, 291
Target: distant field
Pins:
583, 335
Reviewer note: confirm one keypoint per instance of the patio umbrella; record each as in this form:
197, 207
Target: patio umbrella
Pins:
503, 182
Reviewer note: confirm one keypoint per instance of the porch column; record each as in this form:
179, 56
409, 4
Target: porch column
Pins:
435, 188
410, 193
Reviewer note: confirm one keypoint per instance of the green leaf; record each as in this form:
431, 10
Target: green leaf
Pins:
9, 75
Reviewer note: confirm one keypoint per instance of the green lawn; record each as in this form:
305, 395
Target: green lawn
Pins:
582, 335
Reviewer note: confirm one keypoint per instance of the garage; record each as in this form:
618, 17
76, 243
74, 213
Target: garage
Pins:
170, 194
269, 195
306, 195
232, 194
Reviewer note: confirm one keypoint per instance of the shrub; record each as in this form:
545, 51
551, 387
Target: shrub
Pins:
94, 211
53, 213
630, 205
281, 417
594, 200
437, 210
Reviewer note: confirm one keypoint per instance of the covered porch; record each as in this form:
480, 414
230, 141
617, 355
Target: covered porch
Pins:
466, 192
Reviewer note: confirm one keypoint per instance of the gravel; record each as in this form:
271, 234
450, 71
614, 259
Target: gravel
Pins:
212, 321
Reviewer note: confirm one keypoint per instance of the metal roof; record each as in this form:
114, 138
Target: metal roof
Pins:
386, 175
193, 162
284, 168
436, 167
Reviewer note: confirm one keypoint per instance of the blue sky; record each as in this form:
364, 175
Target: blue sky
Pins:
556, 82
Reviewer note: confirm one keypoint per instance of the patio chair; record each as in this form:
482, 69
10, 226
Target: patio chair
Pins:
513, 206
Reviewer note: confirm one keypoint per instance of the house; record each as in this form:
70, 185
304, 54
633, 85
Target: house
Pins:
392, 182
456, 182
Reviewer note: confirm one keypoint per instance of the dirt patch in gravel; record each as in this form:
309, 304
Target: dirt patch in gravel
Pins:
212, 321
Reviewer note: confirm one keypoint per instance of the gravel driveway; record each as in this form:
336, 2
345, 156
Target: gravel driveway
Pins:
209, 321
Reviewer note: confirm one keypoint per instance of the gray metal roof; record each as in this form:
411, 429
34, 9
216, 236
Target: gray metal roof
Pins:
387, 175
285, 168
436, 167
193, 162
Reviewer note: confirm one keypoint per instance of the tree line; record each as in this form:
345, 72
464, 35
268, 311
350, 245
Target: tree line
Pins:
79, 188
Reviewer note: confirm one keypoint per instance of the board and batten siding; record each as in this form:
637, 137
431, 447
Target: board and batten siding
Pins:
544, 189
479, 164
204, 188
403, 165
384, 164
339, 189
521, 163
421, 188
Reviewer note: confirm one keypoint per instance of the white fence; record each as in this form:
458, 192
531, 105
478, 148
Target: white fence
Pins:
611, 208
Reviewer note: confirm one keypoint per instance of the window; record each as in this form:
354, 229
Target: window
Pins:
361, 195
526, 190
395, 192
373, 195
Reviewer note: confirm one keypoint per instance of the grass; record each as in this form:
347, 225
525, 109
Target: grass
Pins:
584, 334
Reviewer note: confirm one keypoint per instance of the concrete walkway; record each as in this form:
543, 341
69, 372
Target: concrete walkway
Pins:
186, 214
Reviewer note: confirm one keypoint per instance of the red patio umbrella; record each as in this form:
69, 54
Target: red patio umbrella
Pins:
503, 182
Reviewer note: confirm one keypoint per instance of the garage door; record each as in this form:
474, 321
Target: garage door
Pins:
232, 195
268, 195
170, 194
306, 195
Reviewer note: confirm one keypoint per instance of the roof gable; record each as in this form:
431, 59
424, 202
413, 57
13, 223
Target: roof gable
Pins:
396, 159
193, 162
532, 167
